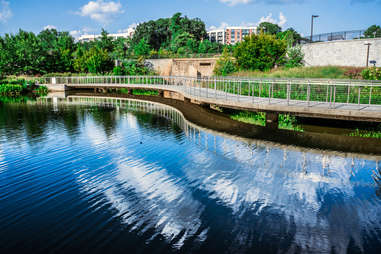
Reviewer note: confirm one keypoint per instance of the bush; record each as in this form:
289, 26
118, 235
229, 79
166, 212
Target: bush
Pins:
225, 65
11, 90
354, 73
259, 52
41, 91
372, 73
294, 57
133, 68
95, 60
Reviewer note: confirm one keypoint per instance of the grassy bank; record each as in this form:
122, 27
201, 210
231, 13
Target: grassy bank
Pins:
17, 88
323, 72
286, 122
140, 92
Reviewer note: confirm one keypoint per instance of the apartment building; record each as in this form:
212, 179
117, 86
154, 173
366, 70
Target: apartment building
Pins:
231, 35
217, 36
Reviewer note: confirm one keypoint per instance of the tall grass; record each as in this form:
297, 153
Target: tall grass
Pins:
323, 72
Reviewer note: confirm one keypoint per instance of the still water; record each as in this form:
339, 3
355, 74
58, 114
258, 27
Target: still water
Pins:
125, 176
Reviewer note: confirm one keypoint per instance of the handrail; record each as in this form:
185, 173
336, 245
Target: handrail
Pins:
301, 92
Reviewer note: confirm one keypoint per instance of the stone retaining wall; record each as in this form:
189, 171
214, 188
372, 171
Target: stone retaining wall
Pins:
342, 53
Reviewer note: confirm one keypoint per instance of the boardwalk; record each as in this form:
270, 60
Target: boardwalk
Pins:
346, 100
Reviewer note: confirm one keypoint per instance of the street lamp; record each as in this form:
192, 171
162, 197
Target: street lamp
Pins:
367, 53
312, 24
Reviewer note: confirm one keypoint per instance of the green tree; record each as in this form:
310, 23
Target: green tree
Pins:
57, 49
225, 64
269, 28
290, 36
95, 60
373, 31
142, 48
259, 52
105, 42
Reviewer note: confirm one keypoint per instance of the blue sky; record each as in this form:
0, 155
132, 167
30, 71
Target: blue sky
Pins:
89, 16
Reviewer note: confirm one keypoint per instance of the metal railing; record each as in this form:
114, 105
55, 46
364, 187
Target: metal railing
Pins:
335, 36
299, 92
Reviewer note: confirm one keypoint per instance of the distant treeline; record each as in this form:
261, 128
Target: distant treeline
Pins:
51, 51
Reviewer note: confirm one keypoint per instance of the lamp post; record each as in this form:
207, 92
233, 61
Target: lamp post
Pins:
367, 53
312, 24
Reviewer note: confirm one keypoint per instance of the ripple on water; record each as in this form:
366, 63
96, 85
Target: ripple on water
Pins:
121, 179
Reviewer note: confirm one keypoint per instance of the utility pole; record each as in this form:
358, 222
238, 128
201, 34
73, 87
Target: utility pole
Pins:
367, 53
312, 24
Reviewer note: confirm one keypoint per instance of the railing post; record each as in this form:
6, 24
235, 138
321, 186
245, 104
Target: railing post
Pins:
260, 88
349, 89
334, 96
309, 92
270, 93
370, 95
359, 95
288, 92
330, 95
215, 87
207, 85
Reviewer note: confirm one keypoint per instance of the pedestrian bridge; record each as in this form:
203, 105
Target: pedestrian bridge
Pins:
331, 99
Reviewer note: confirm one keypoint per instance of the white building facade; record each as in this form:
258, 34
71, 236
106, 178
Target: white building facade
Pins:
92, 37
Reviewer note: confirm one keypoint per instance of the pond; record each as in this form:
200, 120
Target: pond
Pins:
120, 175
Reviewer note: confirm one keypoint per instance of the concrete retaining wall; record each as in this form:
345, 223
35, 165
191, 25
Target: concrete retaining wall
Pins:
342, 53
191, 67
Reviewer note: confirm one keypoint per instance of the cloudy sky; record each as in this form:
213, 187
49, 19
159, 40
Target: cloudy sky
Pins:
89, 16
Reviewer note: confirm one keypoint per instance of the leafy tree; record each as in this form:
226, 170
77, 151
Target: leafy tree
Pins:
57, 49
161, 33
134, 67
181, 41
290, 36
259, 52
95, 60
122, 48
142, 48
105, 42
269, 28
225, 64
373, 31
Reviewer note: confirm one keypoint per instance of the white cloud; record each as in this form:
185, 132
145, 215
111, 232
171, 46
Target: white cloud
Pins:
49, 27
269, 18
5, 11
235, 2
101, 11
223, 25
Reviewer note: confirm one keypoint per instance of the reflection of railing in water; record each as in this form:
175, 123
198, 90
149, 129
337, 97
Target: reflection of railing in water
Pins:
205, 138
259, 177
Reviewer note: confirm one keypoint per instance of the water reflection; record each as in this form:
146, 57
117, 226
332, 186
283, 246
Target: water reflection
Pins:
197, 190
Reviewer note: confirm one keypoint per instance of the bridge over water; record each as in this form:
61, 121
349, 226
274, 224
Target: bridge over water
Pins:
331, 99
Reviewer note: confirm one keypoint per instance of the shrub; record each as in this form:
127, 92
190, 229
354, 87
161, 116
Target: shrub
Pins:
41, 91
354, 73
11, 90
294, 57
134, 67
259, 52
225, 65
372, 73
